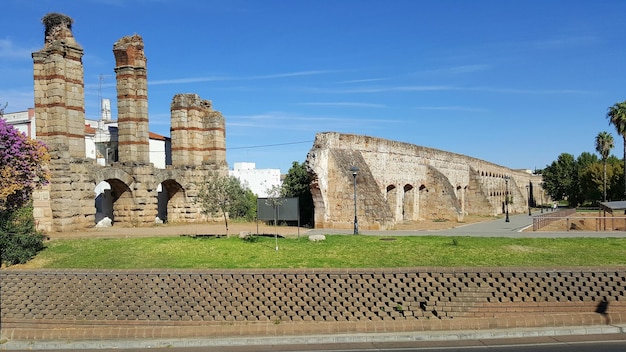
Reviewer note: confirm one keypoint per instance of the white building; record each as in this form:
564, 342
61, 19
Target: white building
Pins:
100, 138
259, 181
23, 121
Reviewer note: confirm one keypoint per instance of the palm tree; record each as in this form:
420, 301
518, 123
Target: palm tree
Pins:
604, 144
617, 117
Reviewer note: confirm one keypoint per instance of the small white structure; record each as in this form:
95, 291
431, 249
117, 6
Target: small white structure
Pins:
23, 121
259, 181
101, 143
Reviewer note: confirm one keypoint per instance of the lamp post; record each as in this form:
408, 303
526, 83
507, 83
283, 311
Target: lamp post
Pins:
541, 184
355, 170
506, 198
528, 192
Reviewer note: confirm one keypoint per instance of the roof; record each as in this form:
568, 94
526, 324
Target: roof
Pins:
156, 136
610, 206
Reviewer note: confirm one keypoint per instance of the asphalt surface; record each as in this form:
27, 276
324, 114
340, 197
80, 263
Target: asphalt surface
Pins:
491, 228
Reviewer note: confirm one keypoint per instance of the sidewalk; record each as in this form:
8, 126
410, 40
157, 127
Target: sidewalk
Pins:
353, 341
490, 228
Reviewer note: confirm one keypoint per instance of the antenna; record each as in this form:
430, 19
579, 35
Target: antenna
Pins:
100, 79
105, 104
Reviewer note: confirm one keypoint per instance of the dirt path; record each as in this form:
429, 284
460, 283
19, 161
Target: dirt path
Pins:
234, 229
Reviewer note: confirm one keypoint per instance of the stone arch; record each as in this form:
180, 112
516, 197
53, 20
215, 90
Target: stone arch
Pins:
409, 203
460, 196
122, 201
114, 197
171, 201
114, 173
319, 207
392, 201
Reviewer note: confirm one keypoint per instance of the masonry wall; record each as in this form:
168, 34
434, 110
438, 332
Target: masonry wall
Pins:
403, 182
132, 100
283, 301
198, 132
67, 203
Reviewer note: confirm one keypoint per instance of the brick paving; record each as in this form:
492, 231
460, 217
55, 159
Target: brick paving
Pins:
114, 304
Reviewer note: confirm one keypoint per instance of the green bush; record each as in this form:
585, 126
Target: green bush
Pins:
19, 239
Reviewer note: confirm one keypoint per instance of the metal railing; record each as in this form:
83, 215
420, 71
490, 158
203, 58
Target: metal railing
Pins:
546, 219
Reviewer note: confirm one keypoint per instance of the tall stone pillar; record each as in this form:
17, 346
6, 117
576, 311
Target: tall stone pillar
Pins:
198, 133
215, 140
59, 89
67, 203
132, 100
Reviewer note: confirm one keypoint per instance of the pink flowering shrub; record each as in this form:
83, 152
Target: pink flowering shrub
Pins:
23, 167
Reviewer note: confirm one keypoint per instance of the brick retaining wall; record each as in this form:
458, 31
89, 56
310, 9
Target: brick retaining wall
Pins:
131, 303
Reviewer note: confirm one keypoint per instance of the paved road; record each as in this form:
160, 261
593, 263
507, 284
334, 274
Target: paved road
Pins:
490, 228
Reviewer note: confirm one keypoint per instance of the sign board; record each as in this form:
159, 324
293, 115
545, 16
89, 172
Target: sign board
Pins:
288, 210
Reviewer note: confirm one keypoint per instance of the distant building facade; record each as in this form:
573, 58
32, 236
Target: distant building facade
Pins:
101, 137
259, 181
23, 121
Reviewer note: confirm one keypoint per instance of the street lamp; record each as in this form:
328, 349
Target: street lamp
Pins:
506, 198
528, 192
541, 184
355, 170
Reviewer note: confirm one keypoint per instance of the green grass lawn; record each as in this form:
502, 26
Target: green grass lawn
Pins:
338, 251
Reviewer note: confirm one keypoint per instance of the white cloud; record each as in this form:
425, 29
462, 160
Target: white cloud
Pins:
563, 42
345, 104
455, 70
450, 108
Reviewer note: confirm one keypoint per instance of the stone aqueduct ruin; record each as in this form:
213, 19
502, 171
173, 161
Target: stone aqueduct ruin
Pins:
67, 203
399, 182
396, 182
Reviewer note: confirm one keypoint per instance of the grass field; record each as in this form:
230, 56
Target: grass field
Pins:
336, 251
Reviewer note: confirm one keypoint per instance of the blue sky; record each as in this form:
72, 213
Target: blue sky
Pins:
514, 82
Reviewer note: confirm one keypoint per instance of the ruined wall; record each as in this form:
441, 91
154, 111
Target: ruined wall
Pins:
198, 132
68, 203
404, 182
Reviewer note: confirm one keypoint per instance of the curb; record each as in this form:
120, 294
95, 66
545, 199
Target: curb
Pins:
430, 336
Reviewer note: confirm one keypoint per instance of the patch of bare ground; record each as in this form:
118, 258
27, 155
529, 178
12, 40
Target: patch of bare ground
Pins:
180, 229
235, 228
583, 221
441, 224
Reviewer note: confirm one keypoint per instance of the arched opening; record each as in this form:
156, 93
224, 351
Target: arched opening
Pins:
104, 203
408, 204
114, 201
170, 201
392, 200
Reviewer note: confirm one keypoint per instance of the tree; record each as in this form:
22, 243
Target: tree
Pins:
559, 177
617, 117
297, 184
246, 207
604, 144
23, 168
221, 194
